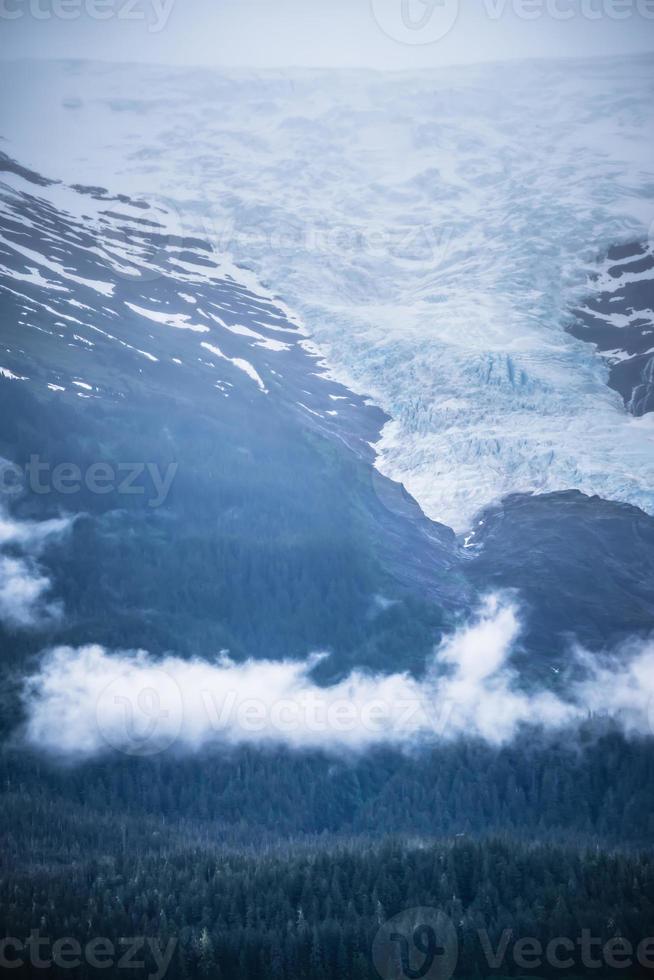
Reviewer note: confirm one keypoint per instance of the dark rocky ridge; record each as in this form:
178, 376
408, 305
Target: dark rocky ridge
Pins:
625, 289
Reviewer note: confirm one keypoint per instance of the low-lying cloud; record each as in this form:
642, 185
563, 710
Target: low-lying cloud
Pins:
87, 699
23, 593
30, 534
24, 585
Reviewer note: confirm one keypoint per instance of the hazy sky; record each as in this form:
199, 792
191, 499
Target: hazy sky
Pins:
283, 33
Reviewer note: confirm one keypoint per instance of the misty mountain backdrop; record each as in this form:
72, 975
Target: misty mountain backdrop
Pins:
326, 511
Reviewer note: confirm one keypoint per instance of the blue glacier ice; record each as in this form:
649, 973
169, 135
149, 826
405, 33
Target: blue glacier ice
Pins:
431, 230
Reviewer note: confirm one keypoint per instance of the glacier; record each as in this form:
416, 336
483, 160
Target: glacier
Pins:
432, 231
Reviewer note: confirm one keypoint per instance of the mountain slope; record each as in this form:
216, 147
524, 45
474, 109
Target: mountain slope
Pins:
251, 517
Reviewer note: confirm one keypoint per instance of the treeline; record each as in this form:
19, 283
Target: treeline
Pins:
314, 913
600, 792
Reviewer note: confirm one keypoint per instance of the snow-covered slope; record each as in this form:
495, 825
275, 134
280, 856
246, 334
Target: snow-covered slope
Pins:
432, 231
618, 317
206, 405
89, 278
258, 522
